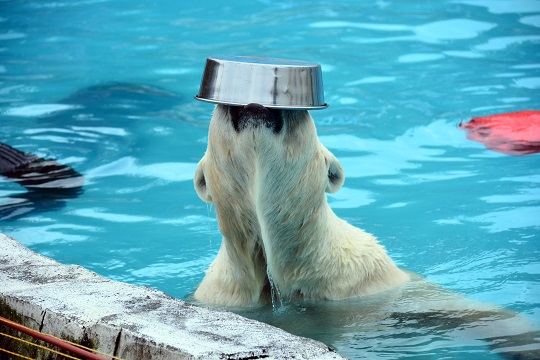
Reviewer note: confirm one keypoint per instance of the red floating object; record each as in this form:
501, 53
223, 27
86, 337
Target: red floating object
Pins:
516, 133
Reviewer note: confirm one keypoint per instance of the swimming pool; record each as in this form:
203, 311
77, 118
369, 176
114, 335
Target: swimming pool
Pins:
107, 86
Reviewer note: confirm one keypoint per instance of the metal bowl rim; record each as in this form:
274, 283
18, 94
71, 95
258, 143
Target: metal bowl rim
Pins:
284, 107
281, 62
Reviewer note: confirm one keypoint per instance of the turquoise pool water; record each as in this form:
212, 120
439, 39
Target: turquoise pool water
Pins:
107, 87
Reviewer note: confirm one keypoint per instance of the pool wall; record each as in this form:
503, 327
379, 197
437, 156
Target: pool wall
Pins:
128, 321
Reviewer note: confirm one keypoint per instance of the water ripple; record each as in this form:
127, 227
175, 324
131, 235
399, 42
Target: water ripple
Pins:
434, 32
503, 6
408, 151
501, 43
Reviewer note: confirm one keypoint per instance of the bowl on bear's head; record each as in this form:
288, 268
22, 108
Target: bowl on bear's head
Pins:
271, 82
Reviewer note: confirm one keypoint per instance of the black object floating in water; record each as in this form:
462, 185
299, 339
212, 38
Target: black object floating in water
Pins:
48, 182
34, 173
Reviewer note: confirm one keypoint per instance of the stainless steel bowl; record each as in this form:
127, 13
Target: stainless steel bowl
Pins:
274, 83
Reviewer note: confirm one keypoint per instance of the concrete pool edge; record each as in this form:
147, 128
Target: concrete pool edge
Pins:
129, 321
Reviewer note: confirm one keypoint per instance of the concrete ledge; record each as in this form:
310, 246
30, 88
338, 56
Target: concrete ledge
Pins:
131, 322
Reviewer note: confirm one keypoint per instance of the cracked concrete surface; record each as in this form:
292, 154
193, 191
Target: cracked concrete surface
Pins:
128, 321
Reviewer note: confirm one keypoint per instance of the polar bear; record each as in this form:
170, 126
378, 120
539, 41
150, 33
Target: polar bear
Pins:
267, 173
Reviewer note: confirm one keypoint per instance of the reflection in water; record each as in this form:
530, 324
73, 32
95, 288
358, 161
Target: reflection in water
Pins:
502, 220
118, 98
502, 7
58, 234
430, 33
128, 166
417, 319
81, 118
429, 143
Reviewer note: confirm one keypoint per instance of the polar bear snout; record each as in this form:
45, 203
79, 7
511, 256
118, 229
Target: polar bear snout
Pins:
256, 115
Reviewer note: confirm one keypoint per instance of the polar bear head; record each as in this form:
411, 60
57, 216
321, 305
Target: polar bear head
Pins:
265, 171
259, 155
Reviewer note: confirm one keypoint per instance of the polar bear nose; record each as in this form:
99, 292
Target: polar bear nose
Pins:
255, 115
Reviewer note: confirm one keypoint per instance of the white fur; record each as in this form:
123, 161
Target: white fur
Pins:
269, 193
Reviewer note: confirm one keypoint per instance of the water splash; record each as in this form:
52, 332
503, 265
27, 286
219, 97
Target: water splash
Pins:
275, 294
209, 211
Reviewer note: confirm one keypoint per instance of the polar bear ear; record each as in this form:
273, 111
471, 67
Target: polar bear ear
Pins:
200, 184
336, 175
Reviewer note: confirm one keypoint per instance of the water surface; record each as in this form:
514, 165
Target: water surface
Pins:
107, 87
